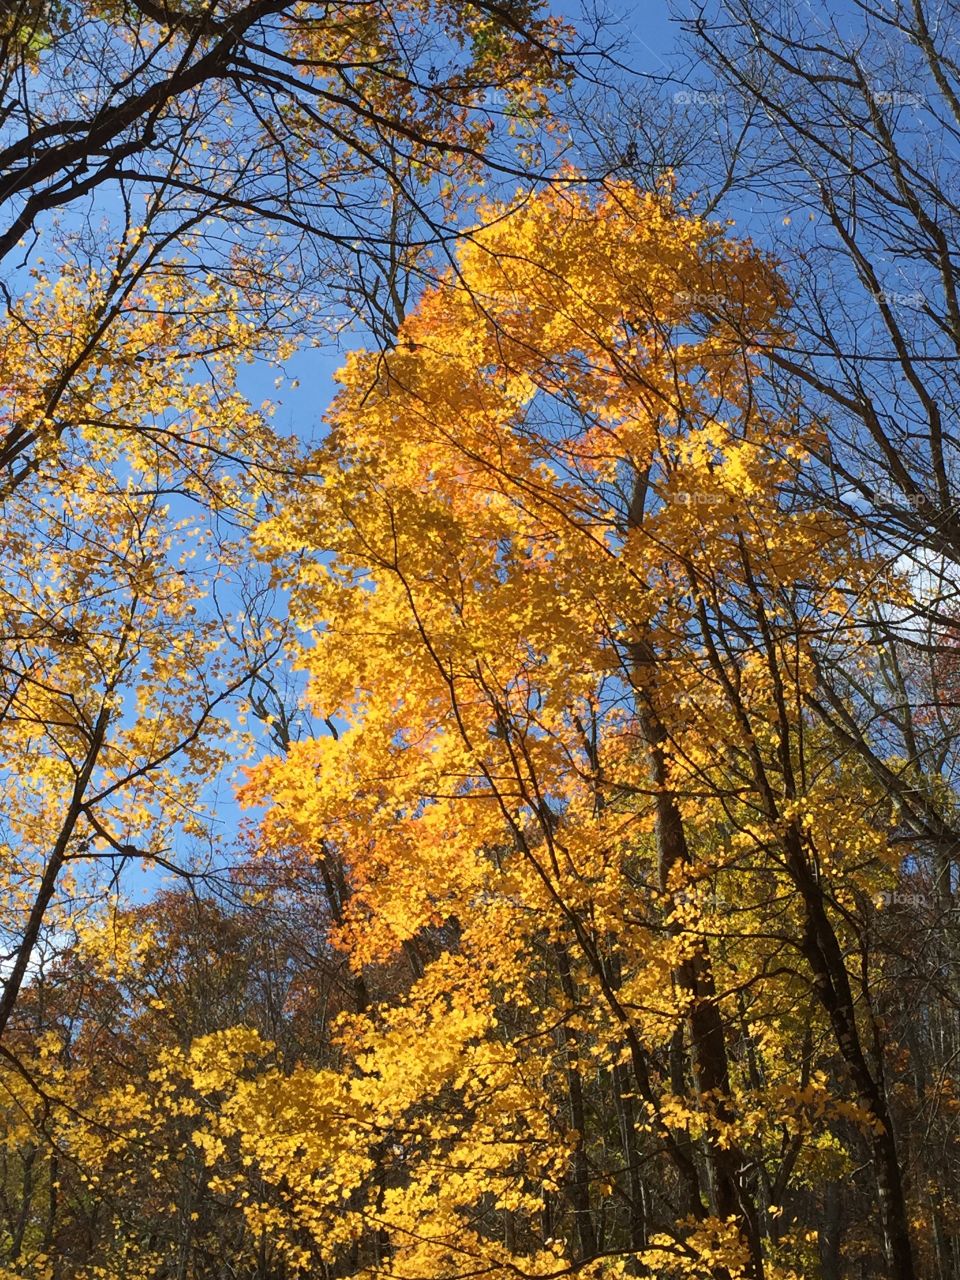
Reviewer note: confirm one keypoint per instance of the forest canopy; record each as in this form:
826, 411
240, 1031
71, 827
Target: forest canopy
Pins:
498, 818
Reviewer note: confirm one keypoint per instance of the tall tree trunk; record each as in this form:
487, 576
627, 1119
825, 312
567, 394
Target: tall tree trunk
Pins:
729, 1196
823, 953
579, 1181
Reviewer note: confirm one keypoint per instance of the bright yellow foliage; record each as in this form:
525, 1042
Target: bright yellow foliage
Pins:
558, 595
555, 500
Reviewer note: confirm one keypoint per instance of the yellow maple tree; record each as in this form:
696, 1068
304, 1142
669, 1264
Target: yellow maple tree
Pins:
571, 617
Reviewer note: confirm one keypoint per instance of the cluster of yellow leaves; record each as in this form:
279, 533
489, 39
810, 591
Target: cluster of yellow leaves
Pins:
313, 1152
133, 468
481, 67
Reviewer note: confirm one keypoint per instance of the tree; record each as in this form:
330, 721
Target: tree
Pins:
100, 1167
184, 164
573, 619
840, 138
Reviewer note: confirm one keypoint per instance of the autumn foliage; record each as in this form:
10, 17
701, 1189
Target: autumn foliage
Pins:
575, 940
